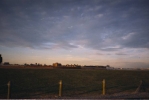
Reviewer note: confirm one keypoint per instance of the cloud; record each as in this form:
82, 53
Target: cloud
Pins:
99, 54
99, 16
128, 36
136, 40
116, 53
110, 49
135, 64
103, 25
120, 53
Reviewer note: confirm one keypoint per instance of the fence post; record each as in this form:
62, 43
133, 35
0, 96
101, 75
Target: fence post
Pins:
139, 87
9, 85
103, 87
60, 88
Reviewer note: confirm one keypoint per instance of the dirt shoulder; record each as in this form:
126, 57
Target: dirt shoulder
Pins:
113, 96
143, 95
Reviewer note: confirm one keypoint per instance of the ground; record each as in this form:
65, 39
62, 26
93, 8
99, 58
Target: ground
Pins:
42, 83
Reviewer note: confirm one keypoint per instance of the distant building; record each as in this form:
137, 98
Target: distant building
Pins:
94, 67
57, 64
6, 63
26, 64
72, 65
1, 59
32, 65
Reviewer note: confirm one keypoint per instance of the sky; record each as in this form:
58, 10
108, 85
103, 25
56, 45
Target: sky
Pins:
84, 32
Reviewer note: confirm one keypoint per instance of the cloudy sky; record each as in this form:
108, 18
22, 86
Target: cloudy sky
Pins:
84, 32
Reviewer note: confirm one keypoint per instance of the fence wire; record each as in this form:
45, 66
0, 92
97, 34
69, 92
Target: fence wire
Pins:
3, 89
18, 88
1, 86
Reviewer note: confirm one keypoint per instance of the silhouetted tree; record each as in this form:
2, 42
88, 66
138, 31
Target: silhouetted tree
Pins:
1, 59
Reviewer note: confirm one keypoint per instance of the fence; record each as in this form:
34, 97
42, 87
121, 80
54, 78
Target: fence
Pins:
62, 89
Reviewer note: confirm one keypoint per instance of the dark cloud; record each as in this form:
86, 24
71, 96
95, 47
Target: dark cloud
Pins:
119, 53
136, 40
104, 24
135, 64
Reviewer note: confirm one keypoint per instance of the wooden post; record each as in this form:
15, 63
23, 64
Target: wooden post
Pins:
103, 87
9, 85
60, 88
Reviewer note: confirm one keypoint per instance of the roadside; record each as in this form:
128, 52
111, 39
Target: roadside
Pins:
143, 95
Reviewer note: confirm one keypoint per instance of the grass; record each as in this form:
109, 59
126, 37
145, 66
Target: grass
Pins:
27, 83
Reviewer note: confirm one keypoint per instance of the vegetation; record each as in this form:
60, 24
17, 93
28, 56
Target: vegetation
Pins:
27, 83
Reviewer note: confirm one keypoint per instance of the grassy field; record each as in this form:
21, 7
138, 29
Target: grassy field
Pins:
30, 83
